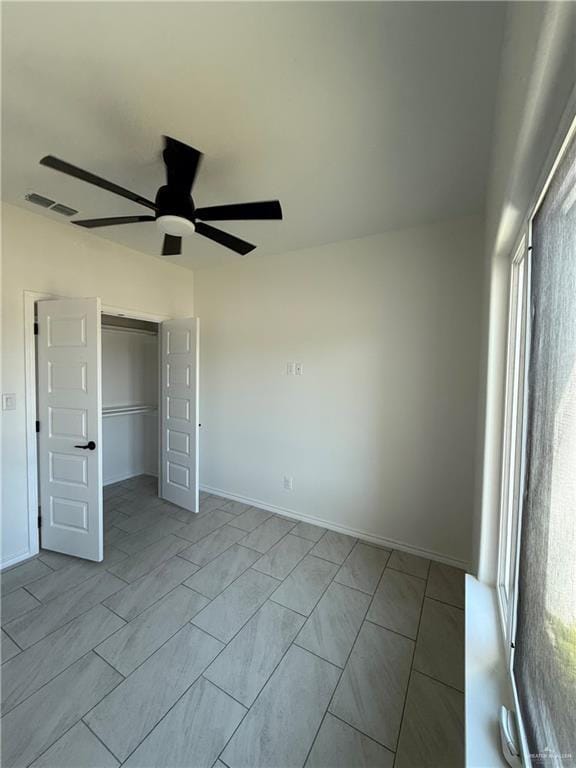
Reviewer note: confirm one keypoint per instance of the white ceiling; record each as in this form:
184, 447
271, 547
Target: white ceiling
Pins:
359, 117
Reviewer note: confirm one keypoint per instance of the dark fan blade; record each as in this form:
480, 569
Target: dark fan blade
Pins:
72, 170
172, 246
270, 209
234, 243
182, 163
91, 223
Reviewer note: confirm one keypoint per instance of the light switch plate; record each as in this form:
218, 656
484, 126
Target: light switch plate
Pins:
9, 402
298, 369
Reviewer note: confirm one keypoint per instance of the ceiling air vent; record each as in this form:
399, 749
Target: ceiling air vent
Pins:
44, 202
63, 209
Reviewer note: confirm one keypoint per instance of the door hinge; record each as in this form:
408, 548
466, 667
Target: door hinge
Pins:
37, 426
39, 518
35, 328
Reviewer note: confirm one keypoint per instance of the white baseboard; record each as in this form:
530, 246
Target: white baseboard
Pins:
120, 478
17, 559
357, 533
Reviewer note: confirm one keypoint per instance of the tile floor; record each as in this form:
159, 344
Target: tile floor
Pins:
234, 638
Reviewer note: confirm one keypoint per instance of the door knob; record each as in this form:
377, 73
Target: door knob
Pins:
90, 446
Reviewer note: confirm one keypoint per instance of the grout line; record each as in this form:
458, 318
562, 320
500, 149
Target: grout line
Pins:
54, 742
335, 688
30, 695
411, 665
406, 573
437, 680
106, 747
394, 632
443, 602
94, 650
203, 676
366, 735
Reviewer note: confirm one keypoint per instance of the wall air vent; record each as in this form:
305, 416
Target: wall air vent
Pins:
63, 209
44, 202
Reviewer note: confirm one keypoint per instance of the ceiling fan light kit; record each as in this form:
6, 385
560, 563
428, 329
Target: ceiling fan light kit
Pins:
175, 212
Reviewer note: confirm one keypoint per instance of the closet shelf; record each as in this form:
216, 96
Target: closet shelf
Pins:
123, 410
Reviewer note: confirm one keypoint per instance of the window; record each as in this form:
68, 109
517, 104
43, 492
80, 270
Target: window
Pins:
537, 557
513, 434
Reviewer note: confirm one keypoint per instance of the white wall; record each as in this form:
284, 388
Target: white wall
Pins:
536, 102
53, 257
129, 377
379, 432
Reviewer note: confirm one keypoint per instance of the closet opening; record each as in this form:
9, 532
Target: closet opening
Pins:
130, 405
113, 449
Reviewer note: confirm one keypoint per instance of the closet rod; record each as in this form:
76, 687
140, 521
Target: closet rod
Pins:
106, 327
123, 410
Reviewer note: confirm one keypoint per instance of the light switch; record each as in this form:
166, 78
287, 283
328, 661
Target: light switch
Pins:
290, 369
9, 402
298, 369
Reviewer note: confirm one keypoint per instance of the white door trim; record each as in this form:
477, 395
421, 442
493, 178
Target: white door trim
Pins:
30, 299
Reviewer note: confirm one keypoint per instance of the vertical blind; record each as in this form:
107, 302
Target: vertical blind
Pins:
545, 655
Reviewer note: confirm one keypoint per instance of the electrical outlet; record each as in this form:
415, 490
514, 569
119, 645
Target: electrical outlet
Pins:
298, 369
288, 483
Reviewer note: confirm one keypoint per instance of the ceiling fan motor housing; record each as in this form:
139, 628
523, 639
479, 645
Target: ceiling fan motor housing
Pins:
175, 211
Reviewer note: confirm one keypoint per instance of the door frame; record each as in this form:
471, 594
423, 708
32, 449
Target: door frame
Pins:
32, 471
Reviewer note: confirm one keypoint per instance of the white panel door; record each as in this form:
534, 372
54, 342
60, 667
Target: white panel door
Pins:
70, 415
179, 412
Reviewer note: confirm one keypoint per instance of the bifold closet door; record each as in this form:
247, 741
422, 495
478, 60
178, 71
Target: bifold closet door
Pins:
179, 412
69, 412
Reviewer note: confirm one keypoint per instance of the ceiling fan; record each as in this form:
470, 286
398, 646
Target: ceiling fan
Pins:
174, 209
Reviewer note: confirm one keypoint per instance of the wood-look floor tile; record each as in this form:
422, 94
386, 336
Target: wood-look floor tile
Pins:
407, 563
128, 714
134, 542
41, 621
35, 724
309, 531
338, 745
8, 648
17, 603
266, 535
433, 726
212, 545
281, 725
138, 640
205, 524
78, 748
440, 646
245, 665
222, 571
283, 556
145, 591
134, 566
56, 560
333, 625
196, 728
23, 574
398, 602
234, 507
34, 667
251, 519
446, 583
57, 582
232, 608
371, 692
363, 567
334, 547
302, 589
